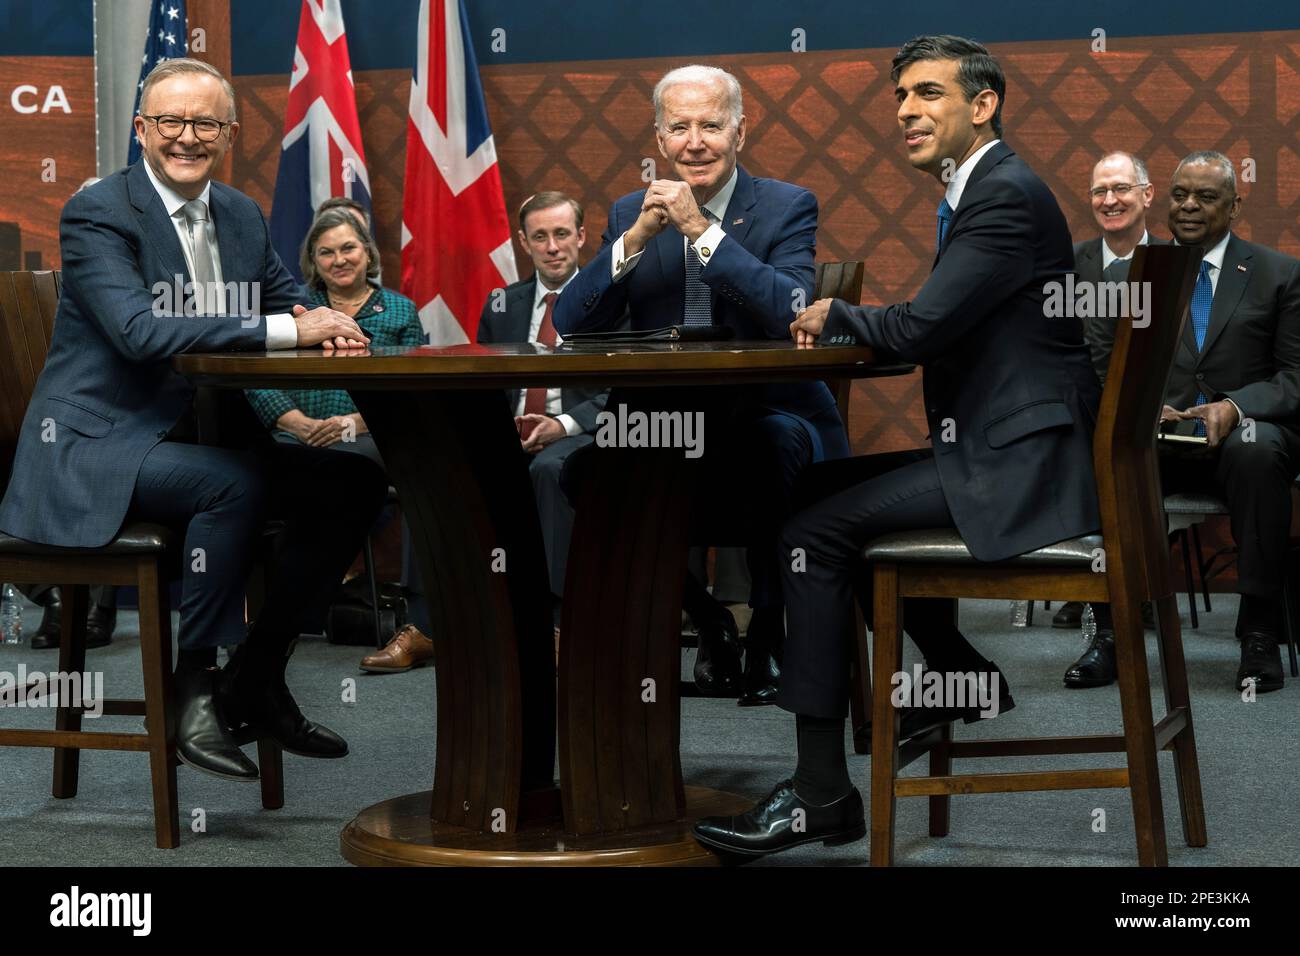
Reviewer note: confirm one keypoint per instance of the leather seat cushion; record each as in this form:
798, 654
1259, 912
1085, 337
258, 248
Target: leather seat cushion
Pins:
945, 546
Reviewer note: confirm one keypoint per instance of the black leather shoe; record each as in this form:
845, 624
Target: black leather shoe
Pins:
202, 740
100, 623
762, 677
264, 704
717, 663
1069, 616
1261, 662
1096, 668
773, 824
49, 633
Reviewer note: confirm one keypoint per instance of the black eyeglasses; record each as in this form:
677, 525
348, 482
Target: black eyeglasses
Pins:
1119, 189
171, 127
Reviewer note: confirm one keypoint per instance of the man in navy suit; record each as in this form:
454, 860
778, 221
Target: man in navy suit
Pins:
108, 434
716, 246
553, 423
1010, 398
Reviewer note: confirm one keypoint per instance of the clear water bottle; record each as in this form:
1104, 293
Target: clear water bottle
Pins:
11, 615
1088, 623
1019, 613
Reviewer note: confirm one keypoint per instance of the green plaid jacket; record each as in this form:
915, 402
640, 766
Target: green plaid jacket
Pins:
387, 317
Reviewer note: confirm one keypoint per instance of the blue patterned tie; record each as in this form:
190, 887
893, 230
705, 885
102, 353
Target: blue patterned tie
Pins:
699, 303
1202, 297
945, 217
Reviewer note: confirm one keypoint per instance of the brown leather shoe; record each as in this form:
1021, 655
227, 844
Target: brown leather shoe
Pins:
408, 648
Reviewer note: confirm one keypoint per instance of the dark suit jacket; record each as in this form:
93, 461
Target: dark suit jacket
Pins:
755, 275
582, 404
108, 392
1017, 386
1251, 353
1099, 330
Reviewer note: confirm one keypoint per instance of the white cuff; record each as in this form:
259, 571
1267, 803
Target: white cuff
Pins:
571, 427
707, 244
622, 266
281, 332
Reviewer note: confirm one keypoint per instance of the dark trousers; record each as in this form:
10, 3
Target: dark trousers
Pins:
222, 498
1255, 478
852, 502
553, 507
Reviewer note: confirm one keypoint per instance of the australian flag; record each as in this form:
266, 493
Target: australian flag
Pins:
167, 39
321, 154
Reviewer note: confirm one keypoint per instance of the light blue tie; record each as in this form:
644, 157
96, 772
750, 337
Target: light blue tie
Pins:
699, 300
945, 217
1202, 298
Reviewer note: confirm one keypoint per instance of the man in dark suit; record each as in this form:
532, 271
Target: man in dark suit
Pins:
553, 423
107, 436
1235, 380
1121, 193
1010, 398
716, 246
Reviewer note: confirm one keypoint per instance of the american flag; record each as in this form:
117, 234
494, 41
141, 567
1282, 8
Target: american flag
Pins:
321, 154
455, 231
167, 39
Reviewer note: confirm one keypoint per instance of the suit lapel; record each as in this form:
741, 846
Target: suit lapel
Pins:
997, 152
1089, 265
1228, 290
156, 227
227, 224
519, 313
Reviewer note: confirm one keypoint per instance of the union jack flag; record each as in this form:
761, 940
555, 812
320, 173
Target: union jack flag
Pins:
321, 154
166, 40
455, 231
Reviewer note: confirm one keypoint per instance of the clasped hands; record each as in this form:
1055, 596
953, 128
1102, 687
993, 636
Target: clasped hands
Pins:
322, 432
1220, 418
666, 201
540, 429
327, 328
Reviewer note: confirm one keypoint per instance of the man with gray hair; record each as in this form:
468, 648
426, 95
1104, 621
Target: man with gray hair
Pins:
715, 246
1236, 381
109, 437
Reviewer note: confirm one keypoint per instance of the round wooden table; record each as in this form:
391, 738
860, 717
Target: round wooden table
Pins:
441, 420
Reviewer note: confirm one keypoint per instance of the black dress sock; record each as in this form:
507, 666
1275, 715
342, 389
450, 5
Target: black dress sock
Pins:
822, 775
196, 659
1260, 614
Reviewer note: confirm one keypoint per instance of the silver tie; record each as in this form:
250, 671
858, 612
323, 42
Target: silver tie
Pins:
205, 273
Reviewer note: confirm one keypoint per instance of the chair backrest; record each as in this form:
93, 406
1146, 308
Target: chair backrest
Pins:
839, 280
28, 301
1124, 452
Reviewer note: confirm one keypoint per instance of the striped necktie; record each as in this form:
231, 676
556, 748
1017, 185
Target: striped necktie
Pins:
699, 303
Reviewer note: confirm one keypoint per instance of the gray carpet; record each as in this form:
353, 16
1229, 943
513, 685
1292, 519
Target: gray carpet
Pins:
1249, 753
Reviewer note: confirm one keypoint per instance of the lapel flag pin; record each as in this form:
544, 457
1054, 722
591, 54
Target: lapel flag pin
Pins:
1240, 267
737, 222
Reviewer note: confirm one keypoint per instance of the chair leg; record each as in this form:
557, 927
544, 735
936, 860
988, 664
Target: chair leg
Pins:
1290, 610
888, 657
1185, 544
368, 555
1173, 671
72, 660
1029, 614
941, 766
156, 662
1139, 733
270, 766
860, 687
1201, 565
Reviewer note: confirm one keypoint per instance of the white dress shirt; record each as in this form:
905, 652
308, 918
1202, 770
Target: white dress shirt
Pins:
1107, 257
281, 330
553, 402
957, 185
705, 246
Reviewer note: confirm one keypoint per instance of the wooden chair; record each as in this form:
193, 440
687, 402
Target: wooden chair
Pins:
937, 564
137, 556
